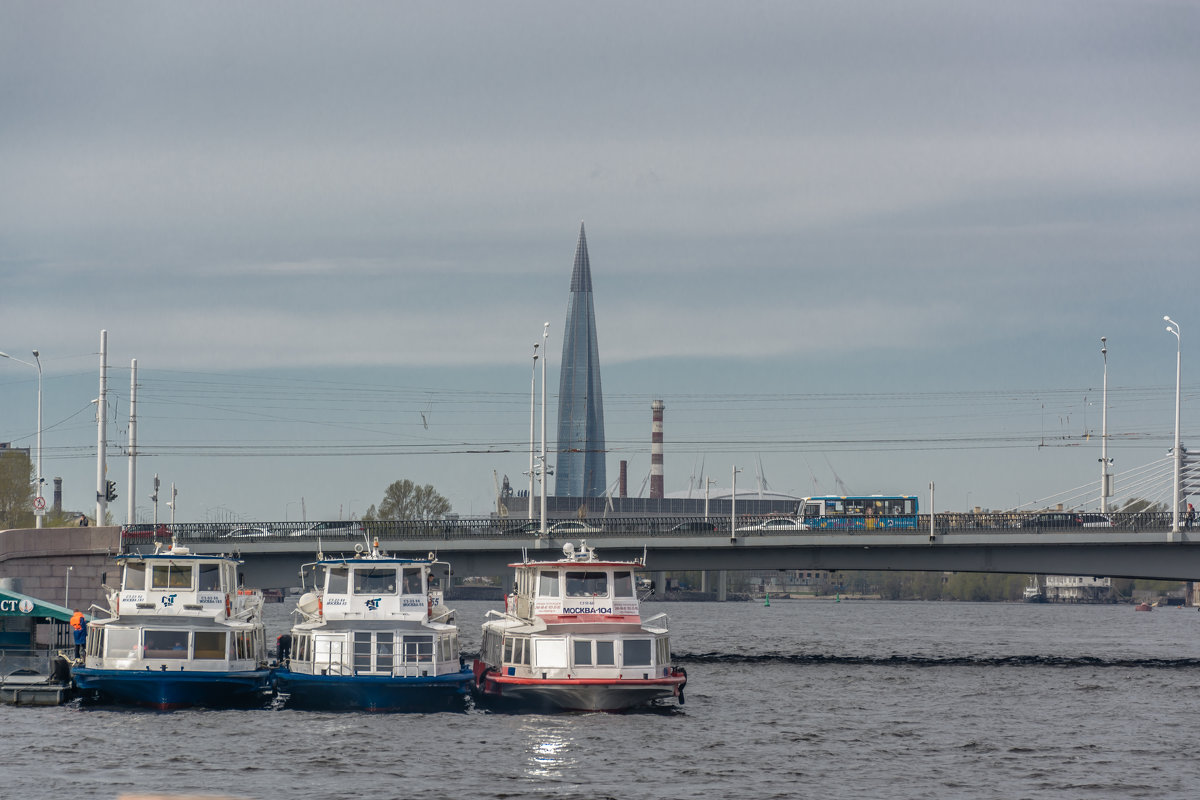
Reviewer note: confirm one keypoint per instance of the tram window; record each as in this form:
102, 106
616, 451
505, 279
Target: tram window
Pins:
636, 653
171, 576
582, 652
338, 581
412, 580
623, 584
210, 577
135, 575
604, 654
548, 585
812, 509
210, 644
374, 581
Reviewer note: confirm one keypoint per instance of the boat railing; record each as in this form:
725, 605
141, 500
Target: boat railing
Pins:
665, 620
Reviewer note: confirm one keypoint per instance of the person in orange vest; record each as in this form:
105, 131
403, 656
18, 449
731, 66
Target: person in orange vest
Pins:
79, 630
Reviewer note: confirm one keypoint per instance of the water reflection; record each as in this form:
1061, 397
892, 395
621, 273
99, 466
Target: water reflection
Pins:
549, 746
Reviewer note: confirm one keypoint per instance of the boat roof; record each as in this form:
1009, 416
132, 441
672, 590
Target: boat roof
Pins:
177, 552
23, 605
581, 556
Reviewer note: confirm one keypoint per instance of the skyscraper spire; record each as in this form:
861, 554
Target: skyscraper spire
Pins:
580, 469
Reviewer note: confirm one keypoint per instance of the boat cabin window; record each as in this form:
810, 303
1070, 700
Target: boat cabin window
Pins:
210, 644
166, 644
550, 654
418, 648
135, 575
121, 642
548, 584
412, 580
210, 577
587, 584
171, 576
623, 584
375, 581
589, 652
338, 580
245, 644
636, 653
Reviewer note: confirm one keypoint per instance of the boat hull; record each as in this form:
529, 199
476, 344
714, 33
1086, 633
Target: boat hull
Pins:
374, 692
171, 690
576, 694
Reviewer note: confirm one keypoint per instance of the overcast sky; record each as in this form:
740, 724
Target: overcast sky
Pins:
873, 240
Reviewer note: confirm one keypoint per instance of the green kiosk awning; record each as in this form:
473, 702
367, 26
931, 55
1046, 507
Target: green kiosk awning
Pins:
14, 604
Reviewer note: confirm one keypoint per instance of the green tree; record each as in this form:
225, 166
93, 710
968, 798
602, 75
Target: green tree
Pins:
406, 500
16, 489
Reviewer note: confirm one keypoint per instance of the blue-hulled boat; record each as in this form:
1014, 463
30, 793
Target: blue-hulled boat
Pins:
374, 635
181, 633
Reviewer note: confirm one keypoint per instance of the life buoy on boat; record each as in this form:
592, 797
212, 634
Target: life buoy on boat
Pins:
228, 606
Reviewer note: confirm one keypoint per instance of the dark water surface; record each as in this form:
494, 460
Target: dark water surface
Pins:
807, 699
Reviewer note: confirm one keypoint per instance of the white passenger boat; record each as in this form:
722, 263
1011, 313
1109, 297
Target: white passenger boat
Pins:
375, 636
572, 638
181, 633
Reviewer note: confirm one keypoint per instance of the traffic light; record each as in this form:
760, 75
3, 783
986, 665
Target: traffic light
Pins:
110, 490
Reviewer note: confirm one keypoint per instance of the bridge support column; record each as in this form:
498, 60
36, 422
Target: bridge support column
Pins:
660, 583
722, 585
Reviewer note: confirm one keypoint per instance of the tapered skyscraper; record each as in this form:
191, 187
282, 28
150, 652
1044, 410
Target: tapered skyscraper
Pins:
580, 468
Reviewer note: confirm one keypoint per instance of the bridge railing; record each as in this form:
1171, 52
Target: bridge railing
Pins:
142, 537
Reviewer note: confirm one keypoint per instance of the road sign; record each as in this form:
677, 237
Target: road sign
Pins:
39, 503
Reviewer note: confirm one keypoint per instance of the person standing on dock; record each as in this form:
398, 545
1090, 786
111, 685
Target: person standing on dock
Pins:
79, 630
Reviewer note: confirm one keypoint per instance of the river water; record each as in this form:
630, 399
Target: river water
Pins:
820, 699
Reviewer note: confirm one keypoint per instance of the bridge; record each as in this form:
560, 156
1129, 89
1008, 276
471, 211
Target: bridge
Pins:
72, 563
1138, 545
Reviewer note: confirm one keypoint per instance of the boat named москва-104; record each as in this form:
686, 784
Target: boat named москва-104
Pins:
572, 638
375, 636
181, 633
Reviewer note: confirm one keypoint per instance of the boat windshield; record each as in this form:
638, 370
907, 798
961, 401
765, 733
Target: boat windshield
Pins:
412, 580
171, 576
587, 584
210, 577
623, 584
548, 584
375, 581
135, 575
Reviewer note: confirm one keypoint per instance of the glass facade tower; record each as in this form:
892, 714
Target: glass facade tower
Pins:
579, 471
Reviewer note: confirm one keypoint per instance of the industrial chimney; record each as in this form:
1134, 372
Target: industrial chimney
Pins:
656, 450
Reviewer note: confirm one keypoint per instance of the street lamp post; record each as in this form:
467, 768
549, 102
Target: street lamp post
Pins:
733, 506
545, 467
39, 509
1173, 327
532, 385
1105, 483
707, 483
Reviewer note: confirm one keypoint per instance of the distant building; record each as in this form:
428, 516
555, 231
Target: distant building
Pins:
1076, 589
579, 471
